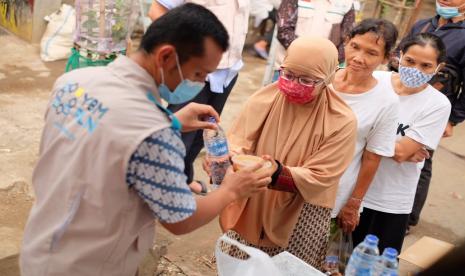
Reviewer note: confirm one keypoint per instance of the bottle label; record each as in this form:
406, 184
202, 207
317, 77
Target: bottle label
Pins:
218, 148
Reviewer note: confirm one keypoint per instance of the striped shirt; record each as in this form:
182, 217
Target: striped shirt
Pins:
156, 172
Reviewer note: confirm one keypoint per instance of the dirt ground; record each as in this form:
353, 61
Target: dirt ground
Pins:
25, 83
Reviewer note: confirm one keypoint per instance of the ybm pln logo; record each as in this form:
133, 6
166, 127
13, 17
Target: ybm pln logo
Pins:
73, 105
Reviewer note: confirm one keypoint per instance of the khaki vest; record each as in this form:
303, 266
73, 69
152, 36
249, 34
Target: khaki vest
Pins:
234, 14
316, 18
85, 220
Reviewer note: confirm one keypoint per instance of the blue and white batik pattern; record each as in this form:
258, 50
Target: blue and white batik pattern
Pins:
156, 172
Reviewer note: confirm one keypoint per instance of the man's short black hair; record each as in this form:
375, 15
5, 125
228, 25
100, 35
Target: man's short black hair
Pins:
186, 28
382, 28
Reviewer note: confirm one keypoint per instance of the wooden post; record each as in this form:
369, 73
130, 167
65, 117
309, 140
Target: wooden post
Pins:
377, 9
414, 15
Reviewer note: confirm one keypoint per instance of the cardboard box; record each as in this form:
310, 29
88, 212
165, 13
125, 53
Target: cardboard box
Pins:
425, 252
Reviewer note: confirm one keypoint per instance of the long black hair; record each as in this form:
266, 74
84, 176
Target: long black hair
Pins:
423, 39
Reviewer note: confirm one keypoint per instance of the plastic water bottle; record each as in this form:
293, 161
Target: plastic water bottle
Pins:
387, 265
331, 266
363, 258
216, 145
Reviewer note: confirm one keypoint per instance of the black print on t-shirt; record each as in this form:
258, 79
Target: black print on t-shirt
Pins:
401, 129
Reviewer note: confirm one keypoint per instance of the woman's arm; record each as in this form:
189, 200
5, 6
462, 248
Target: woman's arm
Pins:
348, 216
406, 148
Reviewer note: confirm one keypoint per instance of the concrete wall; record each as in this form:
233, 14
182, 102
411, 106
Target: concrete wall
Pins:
41, 9
25, 18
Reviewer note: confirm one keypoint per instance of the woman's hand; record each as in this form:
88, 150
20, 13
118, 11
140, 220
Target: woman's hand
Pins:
274, 165
348, 217
247, 181
419, 156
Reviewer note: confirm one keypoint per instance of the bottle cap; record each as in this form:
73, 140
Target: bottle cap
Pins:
371, 239
390, 252
211, 119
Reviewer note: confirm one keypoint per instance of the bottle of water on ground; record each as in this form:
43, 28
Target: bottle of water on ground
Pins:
331, 266
216, 145
363, 258
387, 264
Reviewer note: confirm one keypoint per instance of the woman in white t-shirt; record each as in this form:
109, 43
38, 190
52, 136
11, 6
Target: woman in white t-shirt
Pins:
423, 115
367, 46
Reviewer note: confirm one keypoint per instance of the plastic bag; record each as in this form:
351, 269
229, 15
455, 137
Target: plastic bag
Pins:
340, 245
258, 263
58, 37
290, 265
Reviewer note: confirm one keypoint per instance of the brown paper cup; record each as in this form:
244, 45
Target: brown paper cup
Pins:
242, 161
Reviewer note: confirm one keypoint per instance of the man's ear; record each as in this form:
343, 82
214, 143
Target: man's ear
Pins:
165, 57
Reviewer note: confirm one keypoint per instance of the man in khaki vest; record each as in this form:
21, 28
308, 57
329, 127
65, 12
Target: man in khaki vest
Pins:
111, 157
234, 15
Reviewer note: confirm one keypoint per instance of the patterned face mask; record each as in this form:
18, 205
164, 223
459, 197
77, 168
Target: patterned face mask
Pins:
412, 77
296, 92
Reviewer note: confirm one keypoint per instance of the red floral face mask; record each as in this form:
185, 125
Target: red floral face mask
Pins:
296, 92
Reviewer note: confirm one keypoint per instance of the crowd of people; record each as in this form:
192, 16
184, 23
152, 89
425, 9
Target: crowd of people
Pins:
349, 145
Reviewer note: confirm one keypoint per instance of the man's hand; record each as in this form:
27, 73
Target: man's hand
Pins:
235, 185
348, 217
419, 156
449, 130
245, 182
192, 117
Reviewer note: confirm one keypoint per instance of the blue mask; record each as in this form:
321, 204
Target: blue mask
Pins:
184, 92
447, 12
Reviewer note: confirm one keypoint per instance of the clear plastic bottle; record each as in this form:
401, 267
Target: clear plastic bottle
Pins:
387, 264
331, 266
216, 145
363, 258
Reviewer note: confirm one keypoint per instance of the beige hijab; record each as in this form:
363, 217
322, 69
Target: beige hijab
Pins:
314, 140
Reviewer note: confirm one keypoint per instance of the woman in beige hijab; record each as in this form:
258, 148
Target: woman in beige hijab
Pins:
310, 132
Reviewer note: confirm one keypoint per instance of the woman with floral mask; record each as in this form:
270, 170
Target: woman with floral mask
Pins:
423, 115
302, 124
